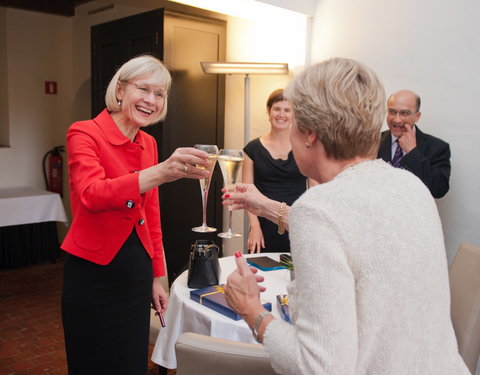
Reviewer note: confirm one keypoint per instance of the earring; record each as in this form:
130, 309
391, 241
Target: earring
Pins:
307, 145
119, 103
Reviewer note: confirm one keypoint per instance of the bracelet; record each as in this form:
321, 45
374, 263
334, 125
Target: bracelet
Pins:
258, 322
281, 229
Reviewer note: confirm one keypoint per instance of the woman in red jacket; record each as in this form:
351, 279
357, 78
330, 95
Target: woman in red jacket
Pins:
115, 253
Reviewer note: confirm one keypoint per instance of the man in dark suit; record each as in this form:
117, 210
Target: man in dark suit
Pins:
405, 146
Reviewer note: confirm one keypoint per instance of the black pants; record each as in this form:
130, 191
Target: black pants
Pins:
106, 312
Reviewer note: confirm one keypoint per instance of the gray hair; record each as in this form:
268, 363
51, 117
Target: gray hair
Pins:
343, 103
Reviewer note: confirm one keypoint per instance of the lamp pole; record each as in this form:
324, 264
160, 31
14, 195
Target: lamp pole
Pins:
247, 110
247, 68
247, 139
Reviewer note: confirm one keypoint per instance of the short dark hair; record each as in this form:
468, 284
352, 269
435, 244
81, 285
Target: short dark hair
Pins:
274, 97
417, 102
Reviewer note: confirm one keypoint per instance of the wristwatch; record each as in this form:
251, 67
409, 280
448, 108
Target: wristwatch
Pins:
258, 322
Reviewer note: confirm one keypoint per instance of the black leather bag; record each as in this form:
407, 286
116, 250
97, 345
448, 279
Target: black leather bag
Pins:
203, 268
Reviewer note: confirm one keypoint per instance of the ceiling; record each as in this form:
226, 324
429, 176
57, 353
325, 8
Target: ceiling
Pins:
60, 7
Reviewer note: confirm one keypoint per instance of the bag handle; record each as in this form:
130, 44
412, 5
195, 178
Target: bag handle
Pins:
203, 250
212, 245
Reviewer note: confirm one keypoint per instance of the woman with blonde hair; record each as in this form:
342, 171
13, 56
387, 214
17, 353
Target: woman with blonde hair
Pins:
371, 290
114, 246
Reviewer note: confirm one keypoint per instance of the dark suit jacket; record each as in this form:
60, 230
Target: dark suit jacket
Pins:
429, 161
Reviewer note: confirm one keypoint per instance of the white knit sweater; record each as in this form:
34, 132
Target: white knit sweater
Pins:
371, 293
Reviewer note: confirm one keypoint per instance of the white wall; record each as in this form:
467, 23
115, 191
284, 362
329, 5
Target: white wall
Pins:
36, 51
430, 47
427, 46
302, 6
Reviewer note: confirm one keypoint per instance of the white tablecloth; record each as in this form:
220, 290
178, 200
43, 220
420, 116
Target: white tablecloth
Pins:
27, 205
185, 315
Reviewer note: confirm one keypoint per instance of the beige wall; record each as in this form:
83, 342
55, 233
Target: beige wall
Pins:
246, 41
37, 49
263, 42
433, 53
41, 47
430, 47
81, 49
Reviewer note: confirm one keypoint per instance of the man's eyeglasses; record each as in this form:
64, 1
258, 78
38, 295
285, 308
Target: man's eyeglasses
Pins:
145, 90
402, 113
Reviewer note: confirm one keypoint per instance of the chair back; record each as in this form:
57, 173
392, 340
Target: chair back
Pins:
465, 293
200, 355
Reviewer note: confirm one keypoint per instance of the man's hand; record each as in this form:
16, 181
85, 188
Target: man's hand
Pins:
407, 140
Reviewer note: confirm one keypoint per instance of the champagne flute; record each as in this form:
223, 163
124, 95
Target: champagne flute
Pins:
212, 151
230, 162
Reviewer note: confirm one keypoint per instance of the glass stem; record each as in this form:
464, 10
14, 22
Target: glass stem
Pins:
204, 203
230, 211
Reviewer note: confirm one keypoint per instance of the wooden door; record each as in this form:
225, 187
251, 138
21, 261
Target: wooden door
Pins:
195, 115
195, 112
115, 42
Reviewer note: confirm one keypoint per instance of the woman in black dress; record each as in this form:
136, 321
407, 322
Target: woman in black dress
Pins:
270, 166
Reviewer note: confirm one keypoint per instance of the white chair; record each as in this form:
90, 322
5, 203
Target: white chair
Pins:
465, 293
201, 355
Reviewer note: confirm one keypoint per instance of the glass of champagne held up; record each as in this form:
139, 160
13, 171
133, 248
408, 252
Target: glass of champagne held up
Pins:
230, 162
212, 151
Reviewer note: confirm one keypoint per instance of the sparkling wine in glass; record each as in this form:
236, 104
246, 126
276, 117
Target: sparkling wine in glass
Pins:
230, 162
212, 151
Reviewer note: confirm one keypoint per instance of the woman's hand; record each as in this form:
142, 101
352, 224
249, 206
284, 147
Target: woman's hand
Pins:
246, 196
255, 242
159, 296
242, 291
181, 164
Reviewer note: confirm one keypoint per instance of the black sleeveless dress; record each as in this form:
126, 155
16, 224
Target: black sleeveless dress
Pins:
277, 179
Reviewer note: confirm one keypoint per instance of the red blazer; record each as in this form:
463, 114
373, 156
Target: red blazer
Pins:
105, 195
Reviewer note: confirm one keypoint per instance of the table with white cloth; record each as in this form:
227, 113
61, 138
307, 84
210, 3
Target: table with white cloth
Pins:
28, 232
186, 315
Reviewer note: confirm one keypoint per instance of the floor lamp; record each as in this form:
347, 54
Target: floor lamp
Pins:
247, 69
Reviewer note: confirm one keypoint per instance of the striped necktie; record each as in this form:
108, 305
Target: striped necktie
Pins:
397, 156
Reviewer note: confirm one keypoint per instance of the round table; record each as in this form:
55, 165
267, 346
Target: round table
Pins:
186, 315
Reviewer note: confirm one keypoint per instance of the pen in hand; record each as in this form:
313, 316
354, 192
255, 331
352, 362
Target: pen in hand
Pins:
162, 321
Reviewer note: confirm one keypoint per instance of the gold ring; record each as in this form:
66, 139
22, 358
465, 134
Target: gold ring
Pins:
185, 168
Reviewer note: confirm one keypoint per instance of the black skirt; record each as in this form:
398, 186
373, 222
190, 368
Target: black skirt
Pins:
106, 312
274, 242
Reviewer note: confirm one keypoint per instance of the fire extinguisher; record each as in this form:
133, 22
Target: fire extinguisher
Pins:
54, 178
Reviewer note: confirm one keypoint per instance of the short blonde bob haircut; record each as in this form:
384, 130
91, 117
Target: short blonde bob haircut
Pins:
136, 67
344, 103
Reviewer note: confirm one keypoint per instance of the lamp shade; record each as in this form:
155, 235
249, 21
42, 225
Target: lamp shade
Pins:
219, 67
